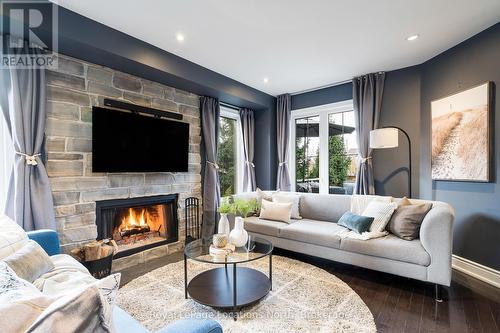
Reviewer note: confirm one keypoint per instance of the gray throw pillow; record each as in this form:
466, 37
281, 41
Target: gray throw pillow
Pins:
30, 261
406, 220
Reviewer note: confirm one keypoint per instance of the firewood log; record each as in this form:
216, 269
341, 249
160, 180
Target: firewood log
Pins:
92, 251
135, 231
78, 254
115, 246
106, 250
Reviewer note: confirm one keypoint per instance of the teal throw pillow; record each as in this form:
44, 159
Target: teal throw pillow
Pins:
355, 222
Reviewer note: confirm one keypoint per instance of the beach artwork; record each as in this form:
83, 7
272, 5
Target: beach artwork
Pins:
460, 136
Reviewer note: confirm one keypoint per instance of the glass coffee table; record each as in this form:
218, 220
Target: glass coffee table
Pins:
228, 287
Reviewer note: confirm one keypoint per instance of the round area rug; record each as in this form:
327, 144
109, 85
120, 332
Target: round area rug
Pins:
304, 299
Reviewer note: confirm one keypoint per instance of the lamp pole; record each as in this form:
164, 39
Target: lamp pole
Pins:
409, 156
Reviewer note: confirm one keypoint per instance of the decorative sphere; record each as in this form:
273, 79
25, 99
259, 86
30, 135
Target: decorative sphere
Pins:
220, 240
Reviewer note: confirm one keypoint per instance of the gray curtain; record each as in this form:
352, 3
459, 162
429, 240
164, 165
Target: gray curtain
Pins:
283, 109
367, 98
22, 102
247, 128
210, 113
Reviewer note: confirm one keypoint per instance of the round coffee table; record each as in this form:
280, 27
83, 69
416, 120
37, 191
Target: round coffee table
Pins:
228, 287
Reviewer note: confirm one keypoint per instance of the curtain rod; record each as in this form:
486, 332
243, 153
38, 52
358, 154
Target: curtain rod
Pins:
230, 106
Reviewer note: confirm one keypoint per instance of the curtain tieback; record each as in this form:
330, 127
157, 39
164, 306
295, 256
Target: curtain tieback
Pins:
213, 164
283, 163
250, 163
30, 159
365, 159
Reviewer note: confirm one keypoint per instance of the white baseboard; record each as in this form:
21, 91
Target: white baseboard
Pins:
478, 271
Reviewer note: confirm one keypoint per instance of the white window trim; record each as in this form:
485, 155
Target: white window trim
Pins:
226, 112
323, 111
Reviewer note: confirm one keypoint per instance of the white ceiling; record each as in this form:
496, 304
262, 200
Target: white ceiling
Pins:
297, 44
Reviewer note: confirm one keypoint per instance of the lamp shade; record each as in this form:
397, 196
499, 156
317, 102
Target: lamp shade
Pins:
384, 138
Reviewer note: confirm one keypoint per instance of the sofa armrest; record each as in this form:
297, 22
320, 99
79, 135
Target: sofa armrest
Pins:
436, 236
48, 240
124, 323
193, 326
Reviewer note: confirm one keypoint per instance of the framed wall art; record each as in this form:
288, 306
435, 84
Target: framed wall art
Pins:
461, 135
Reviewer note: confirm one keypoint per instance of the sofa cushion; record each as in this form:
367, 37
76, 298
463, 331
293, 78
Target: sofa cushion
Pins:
78, 311
124, 323
355, 222
30, 261
406, 220
12, 237
360, 202
293, 198
264, 227
390, 247
20, 300
67, 274
324, 207
381, 212
276, 211
314, 232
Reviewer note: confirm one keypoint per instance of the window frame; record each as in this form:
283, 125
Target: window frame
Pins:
323, 111
233, 114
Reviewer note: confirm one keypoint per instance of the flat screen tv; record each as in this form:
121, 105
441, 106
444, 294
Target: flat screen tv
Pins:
128, 142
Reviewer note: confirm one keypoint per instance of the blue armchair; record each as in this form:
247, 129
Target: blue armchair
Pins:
123, 322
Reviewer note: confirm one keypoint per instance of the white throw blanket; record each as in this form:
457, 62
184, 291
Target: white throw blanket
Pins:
364, 236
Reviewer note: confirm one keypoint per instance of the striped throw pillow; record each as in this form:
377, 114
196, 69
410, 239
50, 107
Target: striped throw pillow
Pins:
381, 213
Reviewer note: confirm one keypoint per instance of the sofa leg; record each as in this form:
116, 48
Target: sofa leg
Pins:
439, 293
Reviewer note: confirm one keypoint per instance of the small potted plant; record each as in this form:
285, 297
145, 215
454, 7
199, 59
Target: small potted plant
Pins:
225, 208
245, 207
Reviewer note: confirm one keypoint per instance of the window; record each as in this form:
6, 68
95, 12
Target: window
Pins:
342, 152
307, 154
229, 154
323, 159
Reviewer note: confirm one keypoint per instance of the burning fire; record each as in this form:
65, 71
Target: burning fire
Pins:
139, 223
134, 219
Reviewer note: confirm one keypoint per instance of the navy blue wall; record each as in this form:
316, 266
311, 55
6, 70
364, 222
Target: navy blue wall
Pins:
401, 108
322, 96
91, 41
408, 93
406, 103
477, 226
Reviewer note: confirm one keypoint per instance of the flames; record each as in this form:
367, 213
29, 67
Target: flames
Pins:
134, 219
140, 224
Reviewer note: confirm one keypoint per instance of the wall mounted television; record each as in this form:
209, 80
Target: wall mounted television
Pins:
130, 142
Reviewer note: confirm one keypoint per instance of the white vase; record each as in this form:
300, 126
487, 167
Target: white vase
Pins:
238, 235
223, 227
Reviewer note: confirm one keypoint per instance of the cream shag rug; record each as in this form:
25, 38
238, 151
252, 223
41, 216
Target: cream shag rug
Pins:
304, 299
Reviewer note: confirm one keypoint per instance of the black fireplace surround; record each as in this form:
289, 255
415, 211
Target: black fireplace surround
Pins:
107, 219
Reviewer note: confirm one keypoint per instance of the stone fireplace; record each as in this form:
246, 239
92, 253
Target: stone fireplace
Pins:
72, 90
138, 224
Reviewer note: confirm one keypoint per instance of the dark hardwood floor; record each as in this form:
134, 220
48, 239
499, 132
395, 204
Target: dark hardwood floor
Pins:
398, 304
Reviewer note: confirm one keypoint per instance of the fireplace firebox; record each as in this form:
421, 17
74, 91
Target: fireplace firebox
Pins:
137, 224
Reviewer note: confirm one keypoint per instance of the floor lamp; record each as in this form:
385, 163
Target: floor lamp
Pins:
388, 137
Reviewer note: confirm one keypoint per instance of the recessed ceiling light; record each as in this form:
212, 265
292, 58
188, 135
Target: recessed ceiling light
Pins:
412, 38
266, 80
180, 37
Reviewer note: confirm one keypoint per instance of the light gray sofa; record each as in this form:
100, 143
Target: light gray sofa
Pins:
427, 258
